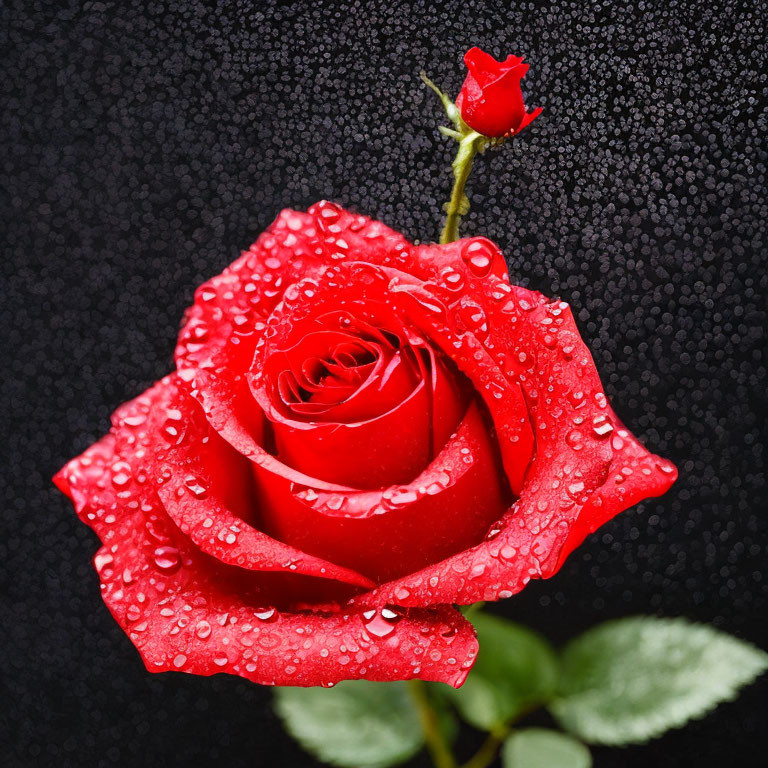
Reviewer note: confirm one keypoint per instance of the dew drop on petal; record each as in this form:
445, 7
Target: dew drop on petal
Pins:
103, 563
265, 614
203, 629
601, 426
195, 487
478, 254
380, 623
166, 558
452, 279
575, 440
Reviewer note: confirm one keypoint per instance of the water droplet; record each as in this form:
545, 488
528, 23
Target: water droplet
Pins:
173, 429
121, 474
103, 562
265, 614
577, 399
402, 497
195, 487
330, 213
381, 623
525, 305
478, 254
167, 558
335, 502
575, 440
179, 661
474, 318
452, 279
203, 629
601, 425
198, 332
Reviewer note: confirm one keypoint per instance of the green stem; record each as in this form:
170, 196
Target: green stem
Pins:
441, 754
457, 206
488, 750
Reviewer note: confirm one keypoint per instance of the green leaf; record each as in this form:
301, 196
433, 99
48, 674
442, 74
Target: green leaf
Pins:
357, 723
542, 748
515, 671
630, 680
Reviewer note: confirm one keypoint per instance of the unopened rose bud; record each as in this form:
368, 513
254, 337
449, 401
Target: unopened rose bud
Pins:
490, 101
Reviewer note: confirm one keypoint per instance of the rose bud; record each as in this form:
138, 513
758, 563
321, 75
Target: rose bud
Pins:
360, 434
490, 101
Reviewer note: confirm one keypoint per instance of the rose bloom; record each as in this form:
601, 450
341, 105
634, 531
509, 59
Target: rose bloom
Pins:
490, 101
360, 434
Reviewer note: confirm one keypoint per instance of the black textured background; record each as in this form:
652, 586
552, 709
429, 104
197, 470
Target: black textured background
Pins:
143, 144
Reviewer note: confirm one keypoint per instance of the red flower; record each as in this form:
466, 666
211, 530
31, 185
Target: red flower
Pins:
490, 101
360, 433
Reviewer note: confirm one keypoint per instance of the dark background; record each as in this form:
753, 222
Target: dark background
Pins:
144, 144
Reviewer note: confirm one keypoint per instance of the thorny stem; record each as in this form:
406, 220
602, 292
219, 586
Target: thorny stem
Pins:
471, 142
441, 754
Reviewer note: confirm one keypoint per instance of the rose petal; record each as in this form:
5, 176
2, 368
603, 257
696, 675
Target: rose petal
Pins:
587, 468
383, 451
217, 342
386, 533
205, 486
393, 446
186, 612
485, 69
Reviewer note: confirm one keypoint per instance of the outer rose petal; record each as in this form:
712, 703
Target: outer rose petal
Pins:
186, 612
204, 485
217, 342
587, 468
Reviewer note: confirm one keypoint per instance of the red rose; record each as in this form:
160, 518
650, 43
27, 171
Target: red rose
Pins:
490, 101
360, 433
